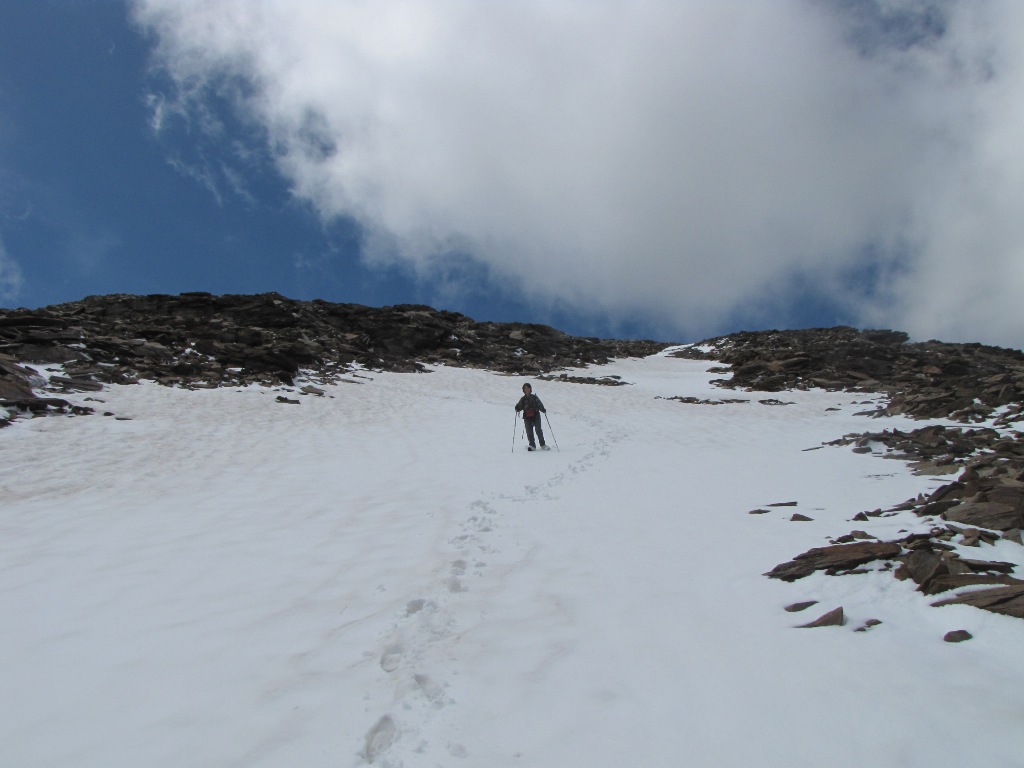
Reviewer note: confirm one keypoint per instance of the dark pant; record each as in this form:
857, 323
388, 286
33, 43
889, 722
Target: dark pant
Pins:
533, 423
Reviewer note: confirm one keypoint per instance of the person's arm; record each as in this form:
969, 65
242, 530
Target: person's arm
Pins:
519, 405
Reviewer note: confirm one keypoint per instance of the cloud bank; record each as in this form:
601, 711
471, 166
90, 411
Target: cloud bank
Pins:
688, 162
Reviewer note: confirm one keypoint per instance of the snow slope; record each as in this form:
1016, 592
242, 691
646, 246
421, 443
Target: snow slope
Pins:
376, 577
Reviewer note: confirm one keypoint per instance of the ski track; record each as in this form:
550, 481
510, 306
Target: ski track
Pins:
395, 604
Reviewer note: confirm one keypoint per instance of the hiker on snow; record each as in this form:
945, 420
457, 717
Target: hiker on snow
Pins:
532, 408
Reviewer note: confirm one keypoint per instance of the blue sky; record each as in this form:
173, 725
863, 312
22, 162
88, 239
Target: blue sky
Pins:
669, 170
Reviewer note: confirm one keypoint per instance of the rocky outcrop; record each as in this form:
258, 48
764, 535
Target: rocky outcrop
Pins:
983, 505
989, 492
968, 383
930, 379
202, 340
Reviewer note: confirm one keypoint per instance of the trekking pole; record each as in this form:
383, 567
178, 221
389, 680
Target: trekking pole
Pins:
552, 431
515, 419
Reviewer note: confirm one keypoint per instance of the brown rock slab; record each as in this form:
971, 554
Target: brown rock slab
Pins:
950, 581
834, 618
924, 565
797, 607
985, 514
838, 557
1007, 600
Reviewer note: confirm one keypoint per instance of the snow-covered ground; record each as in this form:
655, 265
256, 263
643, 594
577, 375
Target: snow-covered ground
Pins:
376, 576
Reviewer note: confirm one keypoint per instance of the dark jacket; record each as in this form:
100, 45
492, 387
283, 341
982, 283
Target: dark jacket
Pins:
530, 402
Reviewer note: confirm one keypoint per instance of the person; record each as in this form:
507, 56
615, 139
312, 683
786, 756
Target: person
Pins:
532, 408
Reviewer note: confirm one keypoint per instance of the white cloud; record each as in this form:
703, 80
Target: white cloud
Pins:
11, 278
687, 160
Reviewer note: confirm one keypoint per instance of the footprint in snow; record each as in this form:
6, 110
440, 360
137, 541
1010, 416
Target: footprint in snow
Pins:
391, 658
379, 738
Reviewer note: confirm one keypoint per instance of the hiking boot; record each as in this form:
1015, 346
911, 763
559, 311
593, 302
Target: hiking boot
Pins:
544, 447
532, 448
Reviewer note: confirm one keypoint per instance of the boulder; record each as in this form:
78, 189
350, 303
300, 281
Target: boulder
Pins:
833, 559
957, 636
986, 514
1007, 600
834, 618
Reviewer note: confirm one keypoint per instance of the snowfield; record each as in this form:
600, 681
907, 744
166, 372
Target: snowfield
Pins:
377, 577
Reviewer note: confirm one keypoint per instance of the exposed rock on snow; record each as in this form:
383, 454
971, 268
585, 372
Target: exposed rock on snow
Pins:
834, 618
933, 447
984, 504
705, 401
605, 381
801, 606
957, 636
867, 625
1007, 600
925, 380
199, 339
834, 559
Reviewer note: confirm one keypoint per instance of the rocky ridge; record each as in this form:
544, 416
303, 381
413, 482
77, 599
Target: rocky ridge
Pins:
202, 340
926, 380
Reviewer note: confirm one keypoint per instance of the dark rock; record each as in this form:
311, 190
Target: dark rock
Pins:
854, 536
798, 518
797, 607
16, 381
699, 401
988, 566
869, 624
948, 581
834, 618
606, 381
230, 340
957, 636
923, 565
925, 380
78, 385
1007, 600
839, 557
986, 514
38, 405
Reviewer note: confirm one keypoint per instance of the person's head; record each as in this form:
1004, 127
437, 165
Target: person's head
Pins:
527, 389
